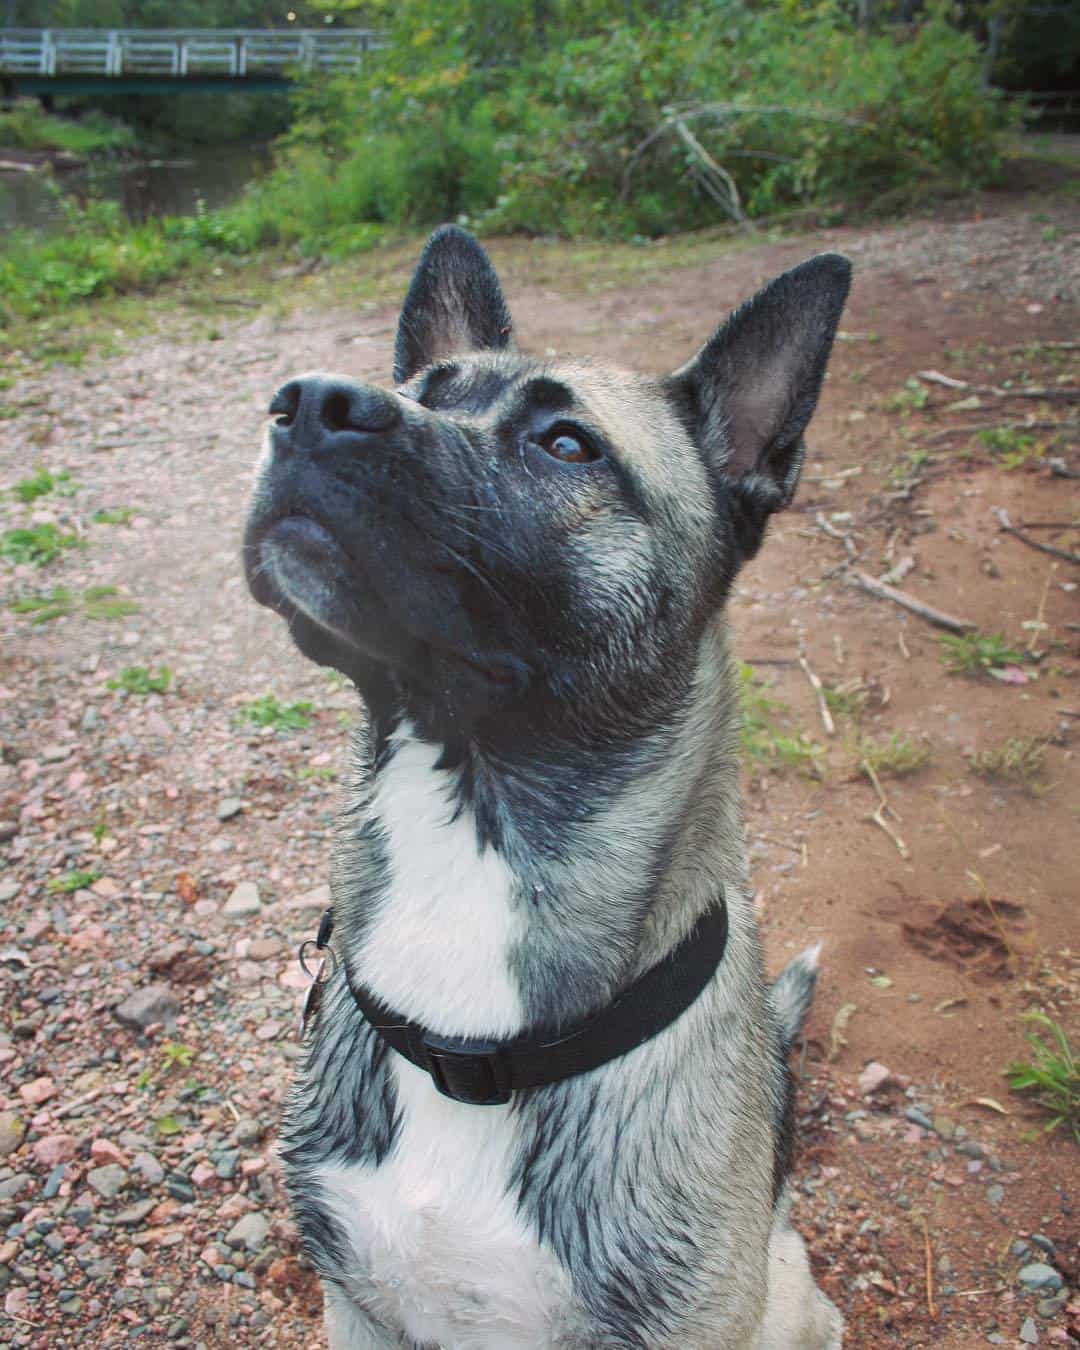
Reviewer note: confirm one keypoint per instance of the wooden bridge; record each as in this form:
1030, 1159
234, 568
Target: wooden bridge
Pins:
167, 60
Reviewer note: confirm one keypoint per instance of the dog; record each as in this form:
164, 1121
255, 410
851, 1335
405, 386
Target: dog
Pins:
522, 565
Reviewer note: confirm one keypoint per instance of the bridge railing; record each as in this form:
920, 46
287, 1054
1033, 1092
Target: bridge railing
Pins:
228, 52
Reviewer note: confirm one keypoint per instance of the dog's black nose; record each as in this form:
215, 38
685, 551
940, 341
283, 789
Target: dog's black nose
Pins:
316, 409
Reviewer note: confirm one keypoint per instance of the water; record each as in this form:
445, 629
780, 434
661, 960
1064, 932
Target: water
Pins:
144, 188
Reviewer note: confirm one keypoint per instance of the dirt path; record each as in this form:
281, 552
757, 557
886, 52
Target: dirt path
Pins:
138, 1198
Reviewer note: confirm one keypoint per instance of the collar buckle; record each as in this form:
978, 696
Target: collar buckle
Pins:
473, 1072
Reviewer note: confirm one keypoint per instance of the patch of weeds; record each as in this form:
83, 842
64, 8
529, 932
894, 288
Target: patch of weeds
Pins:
115, 515
166, 1126
1051, 1075
914, 395
105, 602
37, 544
41, 482
1011, 447
320, 773
57, 604
761, 739
896, 757
1017, 760
848, 699
140, 680
268, 711
75, 880
974, 653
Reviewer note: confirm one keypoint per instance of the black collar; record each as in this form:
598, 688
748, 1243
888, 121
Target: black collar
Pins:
487, 1073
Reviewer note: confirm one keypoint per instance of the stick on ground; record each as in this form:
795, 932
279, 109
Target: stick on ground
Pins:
924, 611
1009, 528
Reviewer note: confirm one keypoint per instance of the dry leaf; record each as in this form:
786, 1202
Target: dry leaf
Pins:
836, 1035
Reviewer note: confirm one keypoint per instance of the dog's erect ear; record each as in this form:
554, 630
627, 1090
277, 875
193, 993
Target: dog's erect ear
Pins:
752, 388
455, 304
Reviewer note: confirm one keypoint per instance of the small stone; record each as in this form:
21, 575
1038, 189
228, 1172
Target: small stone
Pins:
994, 1195
1044, 1244
1050, 1307
875, 1078
51, 1189
37, 1091
54, 1149
229, 807
1029, 1332
251, 1232
153, 1003
148, 1168
247, 1130
8, 830
243, 901
244, 1280
14, 1186
180, 1189
943, 1127
108, 1181
264, 949
71, 1307
134, 1214
916, 1117
970, 1148
224, 1272
105, 1151
1019, 1248
1039, 1276
202, 1175
9, 889
12, 1131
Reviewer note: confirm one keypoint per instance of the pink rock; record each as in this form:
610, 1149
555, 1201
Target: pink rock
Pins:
874, 1078
54, 1149
235, 1207
268, 1030
102, 1151
202, 1174
37, 1091
210, 1256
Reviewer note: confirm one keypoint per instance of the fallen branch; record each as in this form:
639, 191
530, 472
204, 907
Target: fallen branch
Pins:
1009, 528
1039, 622
878, 818
930, 1306
823, 707
84, 1100
936, 377
1059, 469
927, 612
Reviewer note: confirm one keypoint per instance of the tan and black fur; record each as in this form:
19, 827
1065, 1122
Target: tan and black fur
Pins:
523, 565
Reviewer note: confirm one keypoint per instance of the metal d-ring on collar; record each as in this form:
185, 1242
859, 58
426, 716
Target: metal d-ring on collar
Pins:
317, 948
487, 1073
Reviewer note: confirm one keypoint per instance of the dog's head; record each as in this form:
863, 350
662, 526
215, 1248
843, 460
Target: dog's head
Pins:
503, 542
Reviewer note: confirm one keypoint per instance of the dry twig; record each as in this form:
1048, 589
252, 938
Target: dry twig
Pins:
878, 817
823, 708
1039, 622
924, 611
1006, 524
930, 1305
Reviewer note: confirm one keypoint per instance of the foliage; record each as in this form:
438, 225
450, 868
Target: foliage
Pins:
75, 880
476, 110
113, 515
268, 711
1018, 760
140, 680
896, 757
26, 126
974, 653
762, 741
105, 602
57, 604
1010, 446
41, 482
1052, 1074
37, 544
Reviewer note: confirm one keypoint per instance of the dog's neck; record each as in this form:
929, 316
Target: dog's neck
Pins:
491, 895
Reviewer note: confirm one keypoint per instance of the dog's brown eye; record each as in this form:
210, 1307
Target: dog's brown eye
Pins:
567, 445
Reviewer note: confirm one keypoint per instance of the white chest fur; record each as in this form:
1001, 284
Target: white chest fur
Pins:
438, 948
438, 1245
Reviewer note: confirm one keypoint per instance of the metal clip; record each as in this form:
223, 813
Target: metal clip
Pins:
319, 976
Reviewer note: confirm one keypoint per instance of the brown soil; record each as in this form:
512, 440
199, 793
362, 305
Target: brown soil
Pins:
939, 933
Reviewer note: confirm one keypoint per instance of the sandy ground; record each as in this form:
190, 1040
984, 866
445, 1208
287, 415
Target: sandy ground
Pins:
138, 1196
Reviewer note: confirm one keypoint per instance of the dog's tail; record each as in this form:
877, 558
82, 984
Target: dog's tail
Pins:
790, 995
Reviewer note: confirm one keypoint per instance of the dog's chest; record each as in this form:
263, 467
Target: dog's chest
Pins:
436, 1243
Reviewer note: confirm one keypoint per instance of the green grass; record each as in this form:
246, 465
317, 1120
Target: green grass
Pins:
140, 680
1011, 447
848, 699
116, 515
762, 740
72, 881
977, 653
26, 126
1051, 1075
896, 757
105, 603
41, 482
1017, 760
57, 604
268, 711
37, 544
